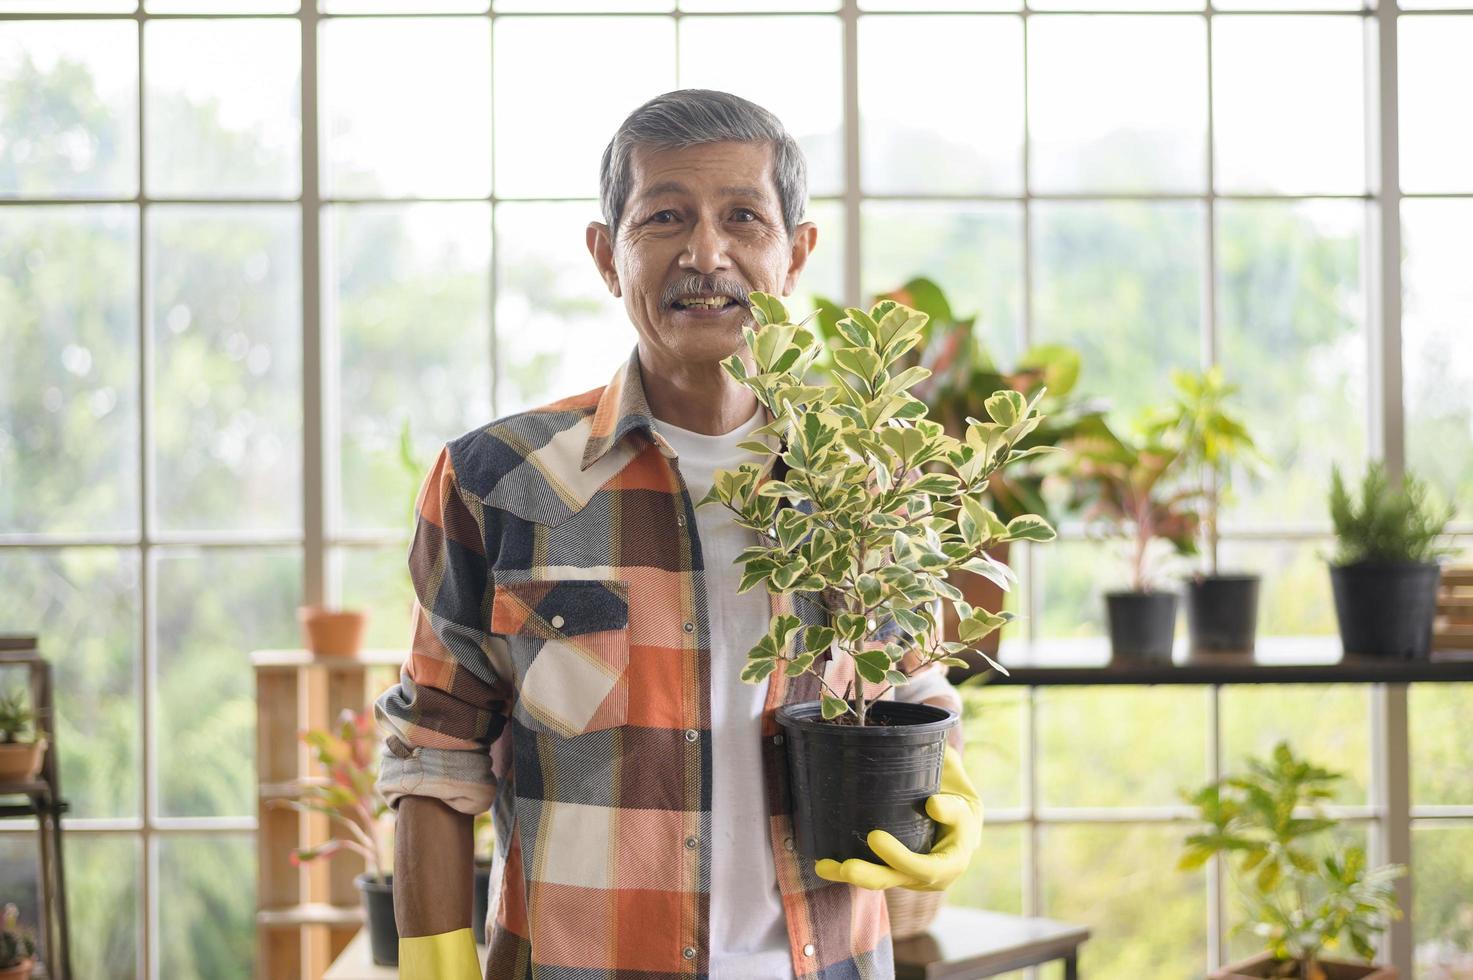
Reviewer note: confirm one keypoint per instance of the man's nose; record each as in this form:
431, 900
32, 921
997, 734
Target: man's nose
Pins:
705, 250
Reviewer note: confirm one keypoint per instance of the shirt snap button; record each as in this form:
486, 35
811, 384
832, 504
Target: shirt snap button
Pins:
691, 734
690, 843
788, 843
690, 627
777, 739
808, 950
689, 952
557, 622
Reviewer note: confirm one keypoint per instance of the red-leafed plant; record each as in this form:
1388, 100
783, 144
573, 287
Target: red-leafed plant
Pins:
346, 792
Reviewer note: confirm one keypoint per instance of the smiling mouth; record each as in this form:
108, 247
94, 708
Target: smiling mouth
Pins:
703, 303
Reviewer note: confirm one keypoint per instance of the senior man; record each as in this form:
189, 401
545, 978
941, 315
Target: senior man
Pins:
578, 636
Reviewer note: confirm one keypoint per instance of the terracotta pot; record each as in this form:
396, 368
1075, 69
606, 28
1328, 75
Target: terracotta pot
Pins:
982, 594
21, 970
1263, 963
332, 632
19, 763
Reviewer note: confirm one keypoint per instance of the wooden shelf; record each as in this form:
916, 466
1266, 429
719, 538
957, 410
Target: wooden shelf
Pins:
310, 914
1443, 666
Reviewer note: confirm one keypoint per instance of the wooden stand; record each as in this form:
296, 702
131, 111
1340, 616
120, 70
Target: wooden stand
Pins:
1453, 628
45, 803
305, 915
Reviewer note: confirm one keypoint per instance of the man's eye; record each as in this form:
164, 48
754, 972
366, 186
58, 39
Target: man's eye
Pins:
744, 214
663, 217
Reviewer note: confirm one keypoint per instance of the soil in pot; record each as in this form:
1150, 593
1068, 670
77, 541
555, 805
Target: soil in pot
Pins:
1264, 965
21, 761
1142, 625
1385, 609
378, 906
1222, 614
481, 899
847, 780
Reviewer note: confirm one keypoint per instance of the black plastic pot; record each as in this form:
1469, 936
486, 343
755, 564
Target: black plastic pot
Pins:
1222, 613
481, 900
1142, 625
378, 905
847, 780
1385, 609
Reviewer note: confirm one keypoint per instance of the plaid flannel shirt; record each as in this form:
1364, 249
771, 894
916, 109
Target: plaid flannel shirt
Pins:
559, 673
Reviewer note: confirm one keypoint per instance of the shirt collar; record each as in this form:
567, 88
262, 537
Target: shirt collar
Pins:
622, 410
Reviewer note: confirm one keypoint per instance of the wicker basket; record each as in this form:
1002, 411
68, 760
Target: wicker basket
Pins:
911, 912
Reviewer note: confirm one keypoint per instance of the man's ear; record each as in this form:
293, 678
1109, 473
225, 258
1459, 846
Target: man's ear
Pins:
601, 247
805, 240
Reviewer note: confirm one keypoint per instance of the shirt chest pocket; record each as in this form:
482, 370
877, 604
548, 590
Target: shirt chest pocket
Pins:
569, 646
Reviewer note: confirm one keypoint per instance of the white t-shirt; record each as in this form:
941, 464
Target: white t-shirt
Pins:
749, 936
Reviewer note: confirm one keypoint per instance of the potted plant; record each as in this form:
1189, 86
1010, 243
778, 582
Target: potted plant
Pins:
484, 840
1129, 484
1222, 608
847, 517
1301, 900
1385, 571
22, 748
964, 375
17, 948
348, 796
332, 632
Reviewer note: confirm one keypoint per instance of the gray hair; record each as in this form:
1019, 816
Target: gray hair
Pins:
690, 117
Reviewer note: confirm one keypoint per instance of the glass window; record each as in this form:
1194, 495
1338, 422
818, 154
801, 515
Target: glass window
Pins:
1327, 724
207, 882
1434, 74
103, 874
1442, 909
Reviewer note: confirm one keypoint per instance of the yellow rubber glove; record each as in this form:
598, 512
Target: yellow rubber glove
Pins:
956, 807
446, 956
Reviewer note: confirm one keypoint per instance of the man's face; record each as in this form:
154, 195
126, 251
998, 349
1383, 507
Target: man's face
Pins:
703, 227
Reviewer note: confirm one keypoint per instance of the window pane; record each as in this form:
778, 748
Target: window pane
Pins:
411, 310
995, 720
956, 127
214, 607
423, 128
552, 57
1140, 124
1117, 279
1437, 356
1291, 335
220, 7
1071, 578
1436, 82
1442, 756
929, 5
579, 6
76, 85
376, 579
1270, 74
1127, 761
69, 369
226, 321
1442, 909
20, 877
1327, 724
728, 5
715, 52
1293, 595
824, 273
974, 252
223, 108
207, 903
550, 300
83, 605
994, 881
68, 6
103, 871
1146, 918
404, 6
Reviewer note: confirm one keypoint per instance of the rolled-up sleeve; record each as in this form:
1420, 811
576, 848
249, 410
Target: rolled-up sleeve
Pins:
449, 706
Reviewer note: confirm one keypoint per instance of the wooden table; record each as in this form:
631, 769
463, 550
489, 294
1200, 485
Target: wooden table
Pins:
963, 944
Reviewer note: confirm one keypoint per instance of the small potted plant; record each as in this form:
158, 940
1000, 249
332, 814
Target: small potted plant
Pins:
847, 517
332, 632
1222, 608
1300, 899
17, 947
22, 748
964, 375
484, 842
348, 796
1130, 487
1385, 570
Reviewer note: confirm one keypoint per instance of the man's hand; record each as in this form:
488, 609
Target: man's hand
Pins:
956, 807
432, 892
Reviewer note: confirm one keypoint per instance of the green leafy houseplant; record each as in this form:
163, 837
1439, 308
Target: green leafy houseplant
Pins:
17, 947
867, 531
345, 793
22, 746
1302, 903
1384, 571
16, 718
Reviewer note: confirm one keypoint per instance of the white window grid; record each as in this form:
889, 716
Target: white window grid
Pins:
1389, 812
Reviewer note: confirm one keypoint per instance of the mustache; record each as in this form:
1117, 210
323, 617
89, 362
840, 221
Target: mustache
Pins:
708, 285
